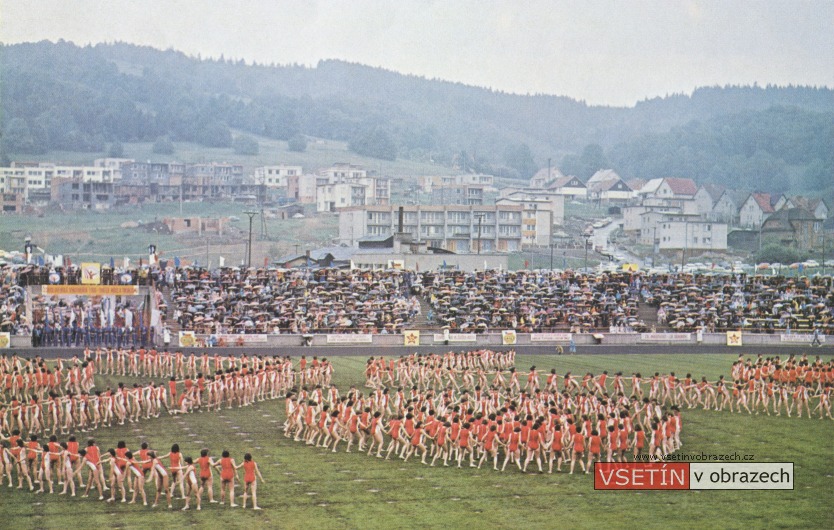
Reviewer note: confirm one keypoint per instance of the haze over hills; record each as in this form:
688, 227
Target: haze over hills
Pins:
61, 96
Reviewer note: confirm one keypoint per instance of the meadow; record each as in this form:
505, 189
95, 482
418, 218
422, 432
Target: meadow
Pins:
99, 235
312, 488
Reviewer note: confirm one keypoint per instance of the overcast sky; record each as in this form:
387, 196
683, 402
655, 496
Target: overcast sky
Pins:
603, 52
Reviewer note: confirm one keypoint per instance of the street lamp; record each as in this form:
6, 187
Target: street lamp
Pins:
818, 227
480, 217
251, 214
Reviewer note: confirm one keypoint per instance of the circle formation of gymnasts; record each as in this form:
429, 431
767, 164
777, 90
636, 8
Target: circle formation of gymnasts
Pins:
488, 414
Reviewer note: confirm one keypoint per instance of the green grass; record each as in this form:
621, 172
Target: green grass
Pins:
98, 236
310, 488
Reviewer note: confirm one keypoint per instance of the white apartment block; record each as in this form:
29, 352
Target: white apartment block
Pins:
342, 172
21, 179
672, 231
275, 176
430, 182
461, 229
331, 197
114, 164
540, 212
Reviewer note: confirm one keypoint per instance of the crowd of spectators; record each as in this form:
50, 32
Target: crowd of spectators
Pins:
306, 301
531, 302
274, 301
763, 304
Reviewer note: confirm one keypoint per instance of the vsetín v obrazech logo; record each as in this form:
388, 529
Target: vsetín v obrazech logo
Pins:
693, 476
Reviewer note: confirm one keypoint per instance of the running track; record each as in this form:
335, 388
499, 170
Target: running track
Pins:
825, 351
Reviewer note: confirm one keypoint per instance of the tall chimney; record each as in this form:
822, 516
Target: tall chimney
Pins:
400, 220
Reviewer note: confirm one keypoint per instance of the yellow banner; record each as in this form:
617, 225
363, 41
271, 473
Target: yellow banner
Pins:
5, 340
734, 338
91, 273
630, 267
411, 337
92, 290
508, 337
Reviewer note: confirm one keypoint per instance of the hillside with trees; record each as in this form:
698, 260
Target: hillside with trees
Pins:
58, 96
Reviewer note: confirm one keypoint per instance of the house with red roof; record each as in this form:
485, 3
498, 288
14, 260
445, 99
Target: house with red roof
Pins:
755, 209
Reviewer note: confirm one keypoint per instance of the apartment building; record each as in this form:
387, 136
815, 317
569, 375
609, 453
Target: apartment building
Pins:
457, 228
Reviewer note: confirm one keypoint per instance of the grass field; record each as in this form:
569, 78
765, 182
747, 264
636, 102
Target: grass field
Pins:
98, 236
311, 488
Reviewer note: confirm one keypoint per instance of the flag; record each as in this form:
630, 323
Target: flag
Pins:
221, 261
177, 262
112, 263
126, 262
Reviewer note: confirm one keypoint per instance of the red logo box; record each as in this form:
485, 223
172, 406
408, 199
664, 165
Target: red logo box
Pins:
641, 475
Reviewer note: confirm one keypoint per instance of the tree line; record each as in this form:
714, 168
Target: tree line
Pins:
58, 96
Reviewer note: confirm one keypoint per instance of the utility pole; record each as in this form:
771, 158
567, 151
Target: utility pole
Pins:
251, 214
264, 234
587, 241
480, 220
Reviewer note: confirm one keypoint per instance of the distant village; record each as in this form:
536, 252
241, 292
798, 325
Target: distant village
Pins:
466, 214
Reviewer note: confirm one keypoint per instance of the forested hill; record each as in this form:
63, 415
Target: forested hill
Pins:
60, 96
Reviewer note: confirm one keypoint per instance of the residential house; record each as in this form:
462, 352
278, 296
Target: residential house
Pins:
725, 209
545, 177
816, 206
570, 187
611, 191
793, 227
755, 210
